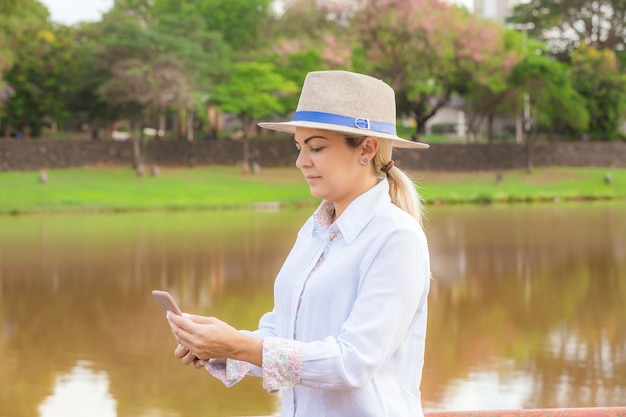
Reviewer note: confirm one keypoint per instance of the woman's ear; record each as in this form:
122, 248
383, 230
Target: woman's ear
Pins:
369, 147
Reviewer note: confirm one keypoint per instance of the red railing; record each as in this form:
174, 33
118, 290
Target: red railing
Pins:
537, 412
533, 412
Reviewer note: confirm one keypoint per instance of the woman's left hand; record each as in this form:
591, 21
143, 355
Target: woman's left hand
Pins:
188, 358
205, 337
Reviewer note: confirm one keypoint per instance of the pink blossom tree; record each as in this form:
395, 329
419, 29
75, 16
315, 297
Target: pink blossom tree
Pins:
429, 50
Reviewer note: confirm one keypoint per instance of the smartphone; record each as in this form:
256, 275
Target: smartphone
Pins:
166, 302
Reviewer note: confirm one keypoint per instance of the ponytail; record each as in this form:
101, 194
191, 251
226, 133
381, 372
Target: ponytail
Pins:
402, 190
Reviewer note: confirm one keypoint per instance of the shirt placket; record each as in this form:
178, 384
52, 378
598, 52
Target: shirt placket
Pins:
333, 235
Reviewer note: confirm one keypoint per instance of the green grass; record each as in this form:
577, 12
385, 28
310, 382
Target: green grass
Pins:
544, 184
220, 187
119, 189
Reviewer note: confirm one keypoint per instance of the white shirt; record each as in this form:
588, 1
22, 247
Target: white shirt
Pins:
357, 305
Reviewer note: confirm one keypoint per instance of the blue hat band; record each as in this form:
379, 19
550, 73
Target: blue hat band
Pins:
336, 119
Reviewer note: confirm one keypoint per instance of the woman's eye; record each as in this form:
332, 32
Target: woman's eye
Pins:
316, 149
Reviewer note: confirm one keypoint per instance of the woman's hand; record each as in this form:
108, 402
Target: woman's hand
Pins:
182, 353
208, 338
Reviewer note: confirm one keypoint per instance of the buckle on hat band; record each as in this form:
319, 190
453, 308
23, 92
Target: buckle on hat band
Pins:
362, 123
337, 119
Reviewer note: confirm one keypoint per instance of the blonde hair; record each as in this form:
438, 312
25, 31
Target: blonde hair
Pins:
402, 190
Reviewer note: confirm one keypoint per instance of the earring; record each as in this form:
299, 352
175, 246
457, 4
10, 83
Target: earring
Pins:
364, 161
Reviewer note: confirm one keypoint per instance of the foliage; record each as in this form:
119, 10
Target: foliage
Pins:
254, 90
565, 25
295, 66
155, 62
323, 27
597, 77
151, 58
490, 91
241, 22
17, 17
428, 50
84, 103
591, 35
557, 105
39, 77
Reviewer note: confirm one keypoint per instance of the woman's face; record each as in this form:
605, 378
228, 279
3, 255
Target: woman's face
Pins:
333, 168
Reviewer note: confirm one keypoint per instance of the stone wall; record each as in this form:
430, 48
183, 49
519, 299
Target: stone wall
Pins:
35, 154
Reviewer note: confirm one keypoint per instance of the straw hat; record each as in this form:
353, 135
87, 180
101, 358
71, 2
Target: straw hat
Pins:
346, 102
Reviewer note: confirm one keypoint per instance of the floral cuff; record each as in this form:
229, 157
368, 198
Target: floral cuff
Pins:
230, 372
282, 363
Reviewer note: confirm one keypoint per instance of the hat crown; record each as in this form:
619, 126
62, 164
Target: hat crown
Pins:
348, 94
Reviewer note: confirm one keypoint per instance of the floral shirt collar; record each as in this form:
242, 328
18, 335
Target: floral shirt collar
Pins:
356, 216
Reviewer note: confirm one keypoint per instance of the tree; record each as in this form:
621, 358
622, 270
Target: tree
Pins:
487, 89
14, 14
310, 35
40, 78
240, 22
254, 90
566, 25
597, 77
591, 35
156, 62
18, 19
85, 104
556, 104
427, 50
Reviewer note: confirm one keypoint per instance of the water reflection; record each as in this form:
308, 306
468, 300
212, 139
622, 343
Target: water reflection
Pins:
79, 393
77, 288
503, 389
526, 309
537, 294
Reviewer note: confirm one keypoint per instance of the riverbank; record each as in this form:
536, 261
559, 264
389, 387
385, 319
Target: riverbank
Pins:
98, 189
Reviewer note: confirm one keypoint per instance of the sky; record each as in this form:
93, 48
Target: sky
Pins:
69, 12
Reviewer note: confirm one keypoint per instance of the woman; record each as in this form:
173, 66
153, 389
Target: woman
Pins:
346, 335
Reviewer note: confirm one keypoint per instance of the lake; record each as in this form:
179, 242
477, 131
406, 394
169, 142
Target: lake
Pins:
527, 308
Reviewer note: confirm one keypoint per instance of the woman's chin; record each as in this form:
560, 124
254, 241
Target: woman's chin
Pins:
317, 193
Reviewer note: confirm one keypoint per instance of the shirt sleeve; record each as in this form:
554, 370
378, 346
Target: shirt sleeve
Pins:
230, 372
282, 363
233, 370
267, 328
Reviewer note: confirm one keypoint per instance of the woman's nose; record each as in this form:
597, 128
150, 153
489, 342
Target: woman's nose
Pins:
302, 160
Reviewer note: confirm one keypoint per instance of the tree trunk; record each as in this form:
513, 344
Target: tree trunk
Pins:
137, 151
529, 155
422, 113
190, 132
420, 126
490, 128
245, 163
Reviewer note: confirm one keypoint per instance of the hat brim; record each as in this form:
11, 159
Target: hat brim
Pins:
290, 127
